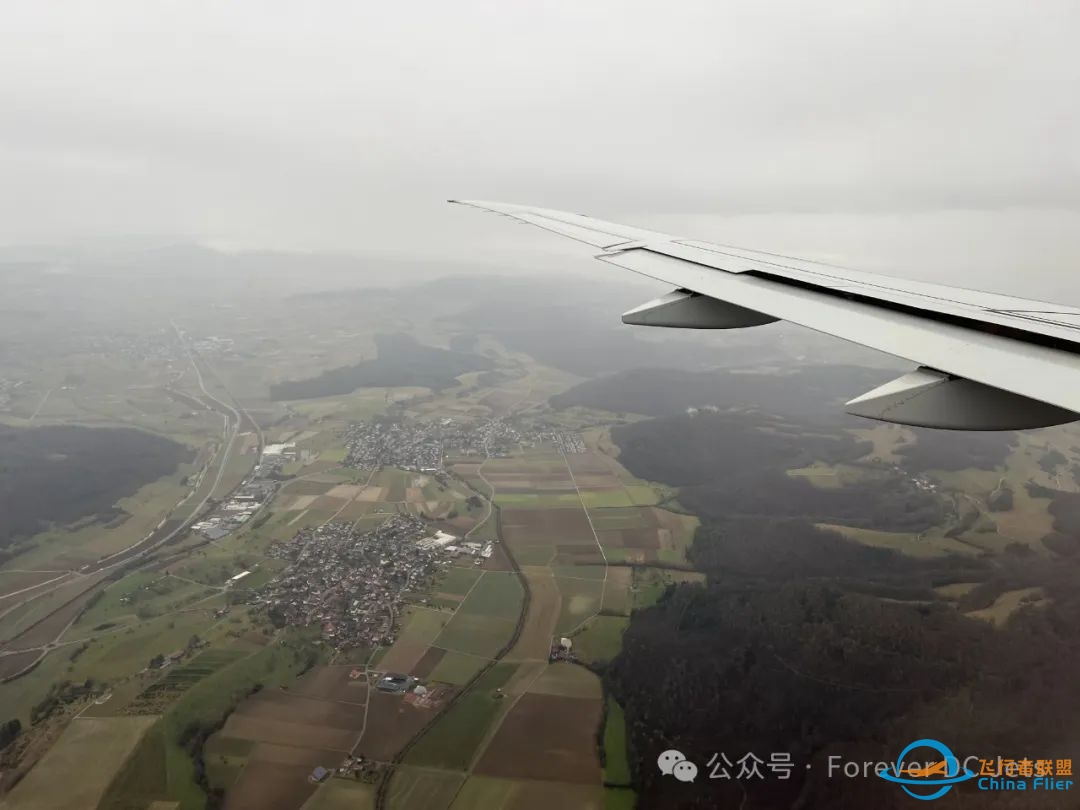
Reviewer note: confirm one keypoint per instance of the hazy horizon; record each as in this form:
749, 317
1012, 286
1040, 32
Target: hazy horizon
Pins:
933, 143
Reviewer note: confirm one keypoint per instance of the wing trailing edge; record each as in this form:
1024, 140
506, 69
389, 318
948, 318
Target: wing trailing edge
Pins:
985, 361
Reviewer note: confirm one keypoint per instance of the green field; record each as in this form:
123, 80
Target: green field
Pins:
497, 594
152, 773
530, 500
456, 668
342, 794
476, 634
580, 600
481, 791
423, 624
178, 679
596, 572
642, 494
567, 680
458, 579
76, 771
421, 789
820, 475
601, 638
484, 622
453, 741
618, 518
616, 764
123, 651
606, 498
21, 617
650, 583
930, 544
534, 555
335, 454
510, 794
1008, 603
618, 598
143, 594
619, 799
160, 769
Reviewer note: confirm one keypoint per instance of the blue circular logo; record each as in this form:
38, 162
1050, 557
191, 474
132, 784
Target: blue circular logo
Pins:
941, 775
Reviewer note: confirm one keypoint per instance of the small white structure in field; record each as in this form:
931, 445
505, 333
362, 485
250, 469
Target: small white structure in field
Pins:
237, 578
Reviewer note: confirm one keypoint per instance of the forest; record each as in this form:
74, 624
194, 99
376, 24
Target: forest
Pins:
956, 450
809, 668
55, 475
400, 361
812, 394
803, 642
733, 464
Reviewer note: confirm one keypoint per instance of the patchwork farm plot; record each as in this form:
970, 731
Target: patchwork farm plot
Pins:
274, 739
178, 679
46, 618
523, 732
508, 794
484, 622
526, 731
545, 735
93, 747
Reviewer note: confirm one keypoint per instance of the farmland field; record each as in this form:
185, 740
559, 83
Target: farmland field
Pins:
239, 679
562, 526
601, 638
458, 580
616, 765
580, 600
342, 794
13, 581
475, 634
544, 605
93, 748
454, 740
496, 594
415, 788
567, 680
456, 668
507, 794
546, 734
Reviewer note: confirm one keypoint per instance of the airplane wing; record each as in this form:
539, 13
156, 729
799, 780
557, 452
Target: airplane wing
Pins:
984, 361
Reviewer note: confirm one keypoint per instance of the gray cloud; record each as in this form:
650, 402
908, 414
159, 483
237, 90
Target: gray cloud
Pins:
345, 124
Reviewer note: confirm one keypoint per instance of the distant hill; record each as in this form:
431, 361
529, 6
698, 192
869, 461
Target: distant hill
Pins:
814, 392
58, 474
733, 464
956, 450
400, 361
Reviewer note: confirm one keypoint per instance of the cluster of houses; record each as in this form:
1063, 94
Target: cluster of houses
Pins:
423, 446
568, 443
353, 584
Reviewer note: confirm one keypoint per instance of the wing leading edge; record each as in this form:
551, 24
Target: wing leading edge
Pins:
985, 361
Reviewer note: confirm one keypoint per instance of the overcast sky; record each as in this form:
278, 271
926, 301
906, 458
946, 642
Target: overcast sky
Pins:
932, 138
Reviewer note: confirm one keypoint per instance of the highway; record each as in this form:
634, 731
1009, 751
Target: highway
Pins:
165, 531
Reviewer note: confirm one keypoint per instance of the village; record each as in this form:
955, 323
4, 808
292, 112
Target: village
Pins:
424, 446
353, 585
